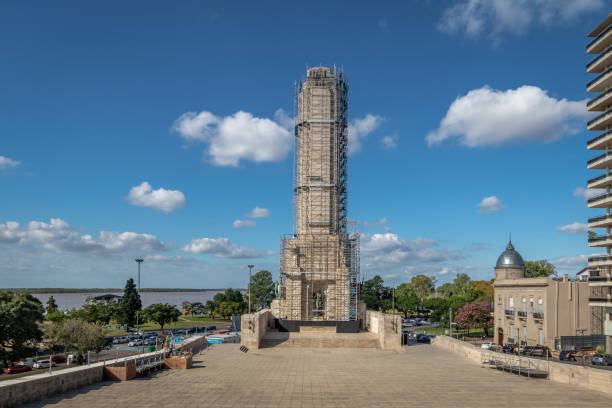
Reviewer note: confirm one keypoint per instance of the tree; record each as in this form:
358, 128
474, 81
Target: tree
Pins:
77, 334
53, 314
373, 292
98, 312
233, 295
51, 305
196, 307
130, 304
262, 289
438, 308
227, 308
422, 285
20, 314
475, 315
209, 307
406, 299
186, 306
161, 313
484, 290
542, 268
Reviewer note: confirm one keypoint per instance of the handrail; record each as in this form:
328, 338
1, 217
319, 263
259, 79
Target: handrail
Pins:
598, 97
599, 117
600, 56
599, 37
599, 238
600, 218
598, 258
599, 197
593, 140
594, 179
600, 76
597, 158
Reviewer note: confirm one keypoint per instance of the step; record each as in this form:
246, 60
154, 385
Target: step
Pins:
320, 340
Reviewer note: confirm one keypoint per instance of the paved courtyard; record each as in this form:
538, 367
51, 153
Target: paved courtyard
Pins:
420, 376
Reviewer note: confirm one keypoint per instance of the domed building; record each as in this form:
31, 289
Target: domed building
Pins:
527, 310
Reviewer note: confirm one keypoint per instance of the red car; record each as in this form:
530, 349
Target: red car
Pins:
17, 369
58, 359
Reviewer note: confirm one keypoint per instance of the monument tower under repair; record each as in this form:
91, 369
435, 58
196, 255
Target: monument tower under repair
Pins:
319, 265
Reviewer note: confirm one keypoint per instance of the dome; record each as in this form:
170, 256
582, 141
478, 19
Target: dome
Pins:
510, 258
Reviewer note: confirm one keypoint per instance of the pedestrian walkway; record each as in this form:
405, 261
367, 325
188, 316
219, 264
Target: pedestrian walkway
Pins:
420, 375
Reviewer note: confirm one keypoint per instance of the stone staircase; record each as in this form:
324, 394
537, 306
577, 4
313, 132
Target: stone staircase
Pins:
322, 339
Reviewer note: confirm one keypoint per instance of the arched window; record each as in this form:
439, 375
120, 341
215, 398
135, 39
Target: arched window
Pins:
524, 305
530, 305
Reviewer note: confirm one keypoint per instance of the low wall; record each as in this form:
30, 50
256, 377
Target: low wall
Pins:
387, 327
583, 376
120, 373
38, 386
253, 328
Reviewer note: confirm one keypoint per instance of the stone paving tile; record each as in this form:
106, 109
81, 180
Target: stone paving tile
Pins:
422, 376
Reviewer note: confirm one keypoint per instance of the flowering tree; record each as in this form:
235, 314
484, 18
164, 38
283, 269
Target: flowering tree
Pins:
474, 315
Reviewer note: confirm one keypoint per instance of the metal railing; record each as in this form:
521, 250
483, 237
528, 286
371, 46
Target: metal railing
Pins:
600, 76
598, 257
598, 97
509, 312
596, 219
600, 56
522, 313
597, 238
595, 139
597, 158
600, 278
599, 197
599, 37
538, 315
599, 117
594, 179
600, 298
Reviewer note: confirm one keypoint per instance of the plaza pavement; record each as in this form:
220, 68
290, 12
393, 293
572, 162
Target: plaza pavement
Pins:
419, 376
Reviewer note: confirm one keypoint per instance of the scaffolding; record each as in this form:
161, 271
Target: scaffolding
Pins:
319, 265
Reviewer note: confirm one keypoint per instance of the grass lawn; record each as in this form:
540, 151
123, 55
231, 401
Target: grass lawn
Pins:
183, 322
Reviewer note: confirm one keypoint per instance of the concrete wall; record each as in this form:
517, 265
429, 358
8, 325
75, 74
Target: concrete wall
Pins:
587, 377
387, 327
34, 387
254, 328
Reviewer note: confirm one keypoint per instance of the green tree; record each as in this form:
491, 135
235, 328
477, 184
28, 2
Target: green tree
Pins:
20, 314
186, 306
542, 268
227, 308
161, 313
77, 334
196, 307
373, 292
51, 305
130, 304
406, 299
261, 289
438, 308
447, 290
98, 312
233, 295
422, 285
209, 307
53, 314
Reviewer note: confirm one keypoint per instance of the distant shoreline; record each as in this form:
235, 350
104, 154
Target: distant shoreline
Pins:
110, 290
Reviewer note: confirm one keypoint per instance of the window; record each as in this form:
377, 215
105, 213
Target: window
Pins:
512, 331
524, 305
531, 305
541, 342
525, 334
540, 306
511, 303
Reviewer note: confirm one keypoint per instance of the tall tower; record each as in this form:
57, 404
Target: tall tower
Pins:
600, 279
319, 264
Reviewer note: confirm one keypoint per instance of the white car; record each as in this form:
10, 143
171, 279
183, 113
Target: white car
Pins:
135, 343
488, 345
43, 364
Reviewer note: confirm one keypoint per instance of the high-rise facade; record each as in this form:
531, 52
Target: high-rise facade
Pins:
600, 279
319, 263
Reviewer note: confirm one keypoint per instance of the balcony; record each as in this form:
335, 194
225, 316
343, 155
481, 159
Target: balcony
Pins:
601, 181
602, 221
600, 300
509, 312
538, 315
599, 63
601, 122
601, 280
601, 201
600, 241
600, 142
601, 82
600, 162
600, 102
601, 42
522, 314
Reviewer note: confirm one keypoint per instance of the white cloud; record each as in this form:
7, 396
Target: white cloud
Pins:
281, 117
490, 204
389, 142
258, 212
574, 228
588, 193
571, 262
240, 136
489, 117
379, 223
160, 199
7, 163
244, 224
59, 236
223, 248
359, 129
497, 17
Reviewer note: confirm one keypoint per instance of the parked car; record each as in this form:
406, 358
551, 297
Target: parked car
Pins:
58, 358
17, 368
150, 341
488, 345
509, 348
44, 363
210, 328
539, 351
29, 361
422, 338
602, 359
119, 340
568, 355
137, 342
525, 350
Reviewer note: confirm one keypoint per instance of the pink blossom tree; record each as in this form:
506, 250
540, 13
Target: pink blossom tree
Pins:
475, 315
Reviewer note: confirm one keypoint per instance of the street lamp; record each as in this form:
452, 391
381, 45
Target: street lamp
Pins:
139, 261
250, 273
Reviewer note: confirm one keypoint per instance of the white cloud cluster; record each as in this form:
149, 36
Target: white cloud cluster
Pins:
58, 235
223, 248
7, 163
244, 224
496, 17
390, 141
160, 199
588, 193
571, 262
359, 129
258, 212
490, 204
379, 223
240, 136
574, 228
486, 117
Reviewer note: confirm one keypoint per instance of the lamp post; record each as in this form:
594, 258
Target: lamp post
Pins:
250, 273
138, 261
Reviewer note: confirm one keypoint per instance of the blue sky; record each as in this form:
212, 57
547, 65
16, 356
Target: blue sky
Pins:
452, 104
